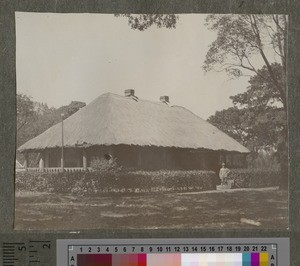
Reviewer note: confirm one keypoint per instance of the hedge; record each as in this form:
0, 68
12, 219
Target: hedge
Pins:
94, 182
89, 183
255, 178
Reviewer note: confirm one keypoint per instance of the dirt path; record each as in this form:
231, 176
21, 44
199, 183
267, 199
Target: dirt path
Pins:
250, 208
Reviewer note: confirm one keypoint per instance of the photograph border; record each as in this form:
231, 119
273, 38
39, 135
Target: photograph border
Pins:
8, 108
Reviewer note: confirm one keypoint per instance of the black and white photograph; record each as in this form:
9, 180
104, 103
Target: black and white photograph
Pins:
151, 121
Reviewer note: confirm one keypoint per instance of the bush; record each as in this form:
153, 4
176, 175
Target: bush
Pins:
177, 179
263, 160
255, 178
45, 182
91, 183
105, 166
83, 183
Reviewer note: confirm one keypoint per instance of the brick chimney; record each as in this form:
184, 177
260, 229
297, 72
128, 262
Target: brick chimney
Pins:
164, 99
129, 93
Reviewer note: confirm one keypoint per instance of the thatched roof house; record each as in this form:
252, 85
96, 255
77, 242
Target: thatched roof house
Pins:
138, 133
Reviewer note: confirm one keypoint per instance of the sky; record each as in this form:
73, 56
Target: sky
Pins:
77, 57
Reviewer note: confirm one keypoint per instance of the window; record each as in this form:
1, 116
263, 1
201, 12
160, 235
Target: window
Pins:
107, 157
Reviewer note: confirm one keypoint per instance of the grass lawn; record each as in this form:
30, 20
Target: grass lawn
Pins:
240, 208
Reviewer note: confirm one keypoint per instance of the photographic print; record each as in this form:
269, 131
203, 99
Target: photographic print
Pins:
151, 121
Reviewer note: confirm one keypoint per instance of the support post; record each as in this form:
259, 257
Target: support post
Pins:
26, 161
111, 151
139, 156
244, 161
165, 158
62, 167
47, 159
84, 160
62, 163
42, 162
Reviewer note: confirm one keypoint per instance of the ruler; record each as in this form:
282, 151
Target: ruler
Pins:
29, 252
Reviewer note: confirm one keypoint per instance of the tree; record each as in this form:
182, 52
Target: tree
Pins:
144, 21
257, 129
33, 118
230, 121
241, 41
254, 46
25, 110
28, 118
267, 106
258, 120
241, 38
70, 109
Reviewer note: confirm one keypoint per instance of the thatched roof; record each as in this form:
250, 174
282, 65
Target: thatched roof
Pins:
112, 119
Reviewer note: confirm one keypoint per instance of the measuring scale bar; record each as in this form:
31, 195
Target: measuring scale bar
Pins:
173, 252
188, 259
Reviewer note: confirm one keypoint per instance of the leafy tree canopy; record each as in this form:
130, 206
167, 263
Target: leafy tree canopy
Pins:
242, 40
261, 91
256, 129
33, 118
254, 46
144, 21
25, 111
258, 119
